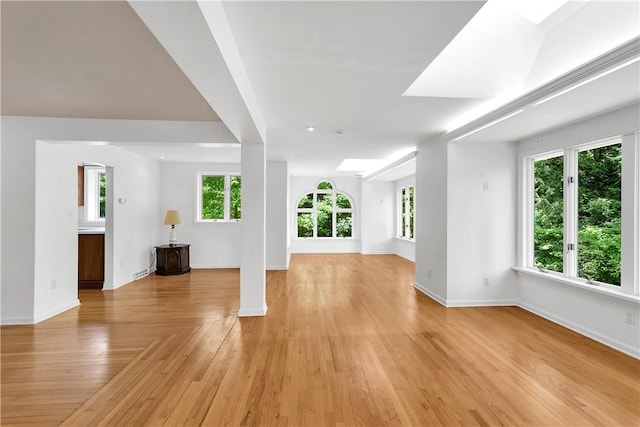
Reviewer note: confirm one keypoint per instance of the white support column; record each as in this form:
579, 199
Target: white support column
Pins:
252, 233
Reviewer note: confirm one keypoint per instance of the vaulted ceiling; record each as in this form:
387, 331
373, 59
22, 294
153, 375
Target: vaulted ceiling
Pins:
90, 59
341, 67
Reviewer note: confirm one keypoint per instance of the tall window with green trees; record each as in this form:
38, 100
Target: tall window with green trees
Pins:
102, 198
577, 216
325, 213
599, 213
219, 197
548, 214
406, 212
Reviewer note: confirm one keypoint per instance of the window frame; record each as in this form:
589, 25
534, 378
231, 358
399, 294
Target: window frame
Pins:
405, 209
334, 216
227, 198
629, 266
91, 213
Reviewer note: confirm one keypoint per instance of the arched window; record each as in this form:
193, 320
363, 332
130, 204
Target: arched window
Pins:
325, 213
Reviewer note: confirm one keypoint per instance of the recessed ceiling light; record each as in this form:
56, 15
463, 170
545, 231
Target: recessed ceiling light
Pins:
163, 157
340, 133
310, 128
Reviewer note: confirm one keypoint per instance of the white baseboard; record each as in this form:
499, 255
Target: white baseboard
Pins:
278, 267
210, 267
252, 312
56, 311
430, 294
376, 253
106, 287
7, 321
405, 257
603, 339
481, 303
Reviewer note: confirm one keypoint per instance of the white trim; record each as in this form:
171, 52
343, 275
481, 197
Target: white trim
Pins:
333, 192
482, 303
91, 211
602, 63
11, 321
226, 202
390, 166
253, 312
580, 283
569, 155
430, 294
56, 311
213, 267
277, 267
603, 339
377, 253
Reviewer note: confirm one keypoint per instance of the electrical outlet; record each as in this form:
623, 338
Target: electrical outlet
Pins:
486, 281
53, 284
631, 319
429, 274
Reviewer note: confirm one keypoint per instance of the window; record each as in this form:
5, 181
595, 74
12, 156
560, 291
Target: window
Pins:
575, 218
95, 186
325, 213
548, 176
219, 197
406, 212
599, 213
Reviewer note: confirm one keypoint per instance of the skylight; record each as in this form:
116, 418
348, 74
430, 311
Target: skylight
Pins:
511, 47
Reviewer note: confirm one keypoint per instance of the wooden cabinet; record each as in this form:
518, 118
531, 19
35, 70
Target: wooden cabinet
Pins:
172, 259
90, 261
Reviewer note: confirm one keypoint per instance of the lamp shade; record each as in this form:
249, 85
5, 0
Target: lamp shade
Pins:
172, 217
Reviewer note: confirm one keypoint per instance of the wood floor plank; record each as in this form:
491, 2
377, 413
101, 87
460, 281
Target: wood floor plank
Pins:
347, 341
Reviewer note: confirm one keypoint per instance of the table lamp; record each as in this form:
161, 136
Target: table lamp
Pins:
172, 218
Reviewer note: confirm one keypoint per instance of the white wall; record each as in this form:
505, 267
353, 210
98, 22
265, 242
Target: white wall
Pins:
302, 185
403, 247
278, 214
431, 219
599, 316
213, 245
132, 235
377, 224
465, 222
481, 226
23, 246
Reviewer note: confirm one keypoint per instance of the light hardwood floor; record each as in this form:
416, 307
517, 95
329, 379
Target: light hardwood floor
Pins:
347, 341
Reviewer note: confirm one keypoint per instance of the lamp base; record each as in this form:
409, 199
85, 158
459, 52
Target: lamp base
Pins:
172, 235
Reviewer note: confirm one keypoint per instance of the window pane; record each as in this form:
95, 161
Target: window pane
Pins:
343, 225
306, 201
102, 182
599, 214
342, 202
324, 210
548, 214
403, 211
213, 197
305, 224
235, 204
325, 186
410, 213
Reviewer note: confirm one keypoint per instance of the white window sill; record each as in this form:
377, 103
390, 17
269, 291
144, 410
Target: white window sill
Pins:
219, 221
579, 284
325, 238
404, 239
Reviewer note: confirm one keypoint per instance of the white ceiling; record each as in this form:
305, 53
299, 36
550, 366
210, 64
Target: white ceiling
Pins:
337, 66
343, 66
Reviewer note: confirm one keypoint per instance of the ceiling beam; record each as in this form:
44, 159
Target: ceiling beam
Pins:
198, 37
